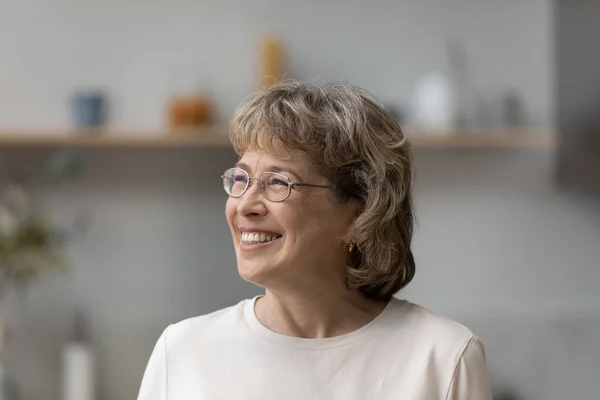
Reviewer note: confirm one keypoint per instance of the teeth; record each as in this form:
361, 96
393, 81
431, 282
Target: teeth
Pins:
257, 237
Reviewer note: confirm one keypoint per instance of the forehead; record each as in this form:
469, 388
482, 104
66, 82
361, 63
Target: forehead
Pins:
258, 160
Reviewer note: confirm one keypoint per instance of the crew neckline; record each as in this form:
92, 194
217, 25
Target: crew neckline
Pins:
262, 331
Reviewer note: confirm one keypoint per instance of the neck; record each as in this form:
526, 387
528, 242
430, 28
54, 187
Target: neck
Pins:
318, 312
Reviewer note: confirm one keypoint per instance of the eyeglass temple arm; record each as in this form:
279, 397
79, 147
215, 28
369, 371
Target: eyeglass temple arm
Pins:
311, 185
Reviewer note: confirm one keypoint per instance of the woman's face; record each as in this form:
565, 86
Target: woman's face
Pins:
305, 229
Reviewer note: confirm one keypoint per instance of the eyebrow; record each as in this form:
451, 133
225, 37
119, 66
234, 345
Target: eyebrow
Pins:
271, 168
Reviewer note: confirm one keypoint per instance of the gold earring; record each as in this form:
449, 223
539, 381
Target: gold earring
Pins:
351, 247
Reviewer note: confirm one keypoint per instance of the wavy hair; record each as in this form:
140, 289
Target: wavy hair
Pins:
352, 140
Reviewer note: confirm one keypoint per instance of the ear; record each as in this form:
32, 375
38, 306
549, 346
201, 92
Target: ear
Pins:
351, 211
357, 208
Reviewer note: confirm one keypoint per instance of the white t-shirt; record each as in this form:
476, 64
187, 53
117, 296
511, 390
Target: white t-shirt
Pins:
407, 352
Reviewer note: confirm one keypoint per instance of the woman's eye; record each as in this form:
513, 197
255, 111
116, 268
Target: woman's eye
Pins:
279, 182
240, 178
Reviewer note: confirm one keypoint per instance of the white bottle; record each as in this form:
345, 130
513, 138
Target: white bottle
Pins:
8, 385
78, 361
434, 104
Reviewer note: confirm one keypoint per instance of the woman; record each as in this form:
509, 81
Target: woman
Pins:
321, 215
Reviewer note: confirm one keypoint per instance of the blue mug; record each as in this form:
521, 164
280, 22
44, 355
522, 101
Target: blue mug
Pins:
89, 109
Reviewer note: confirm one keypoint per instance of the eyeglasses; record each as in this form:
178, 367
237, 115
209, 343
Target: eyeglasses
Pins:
273, 186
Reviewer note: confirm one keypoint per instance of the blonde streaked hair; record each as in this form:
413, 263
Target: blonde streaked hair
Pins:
352, 140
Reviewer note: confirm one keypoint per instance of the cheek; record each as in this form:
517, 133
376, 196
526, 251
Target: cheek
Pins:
230, 211
315, 222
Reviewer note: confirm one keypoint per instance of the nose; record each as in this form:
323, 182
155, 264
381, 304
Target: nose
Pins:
252, 203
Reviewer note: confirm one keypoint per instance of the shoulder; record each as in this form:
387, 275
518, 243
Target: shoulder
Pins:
172, 349
206, 329
448, 351
429, 332
428, 322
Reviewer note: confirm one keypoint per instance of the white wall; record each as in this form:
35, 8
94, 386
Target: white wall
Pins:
496, 245
134, 48
497, 237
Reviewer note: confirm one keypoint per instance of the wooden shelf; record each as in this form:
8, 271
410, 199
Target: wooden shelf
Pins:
216, 137
205, 137
483, 139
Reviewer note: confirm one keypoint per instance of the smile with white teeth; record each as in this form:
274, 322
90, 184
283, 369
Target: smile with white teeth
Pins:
257, 237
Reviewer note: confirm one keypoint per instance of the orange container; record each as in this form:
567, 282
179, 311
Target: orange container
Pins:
190, 111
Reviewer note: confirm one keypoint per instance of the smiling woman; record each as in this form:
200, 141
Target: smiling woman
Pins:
321, 217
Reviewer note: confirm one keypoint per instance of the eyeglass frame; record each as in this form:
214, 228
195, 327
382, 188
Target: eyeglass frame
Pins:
291, 185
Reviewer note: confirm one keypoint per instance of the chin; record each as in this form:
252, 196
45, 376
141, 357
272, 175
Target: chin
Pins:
255, 272
258, 263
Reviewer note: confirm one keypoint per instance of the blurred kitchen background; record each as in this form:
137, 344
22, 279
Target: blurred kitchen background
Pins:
113, 124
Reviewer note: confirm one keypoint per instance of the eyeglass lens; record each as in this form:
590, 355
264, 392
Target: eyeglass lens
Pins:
274, 186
